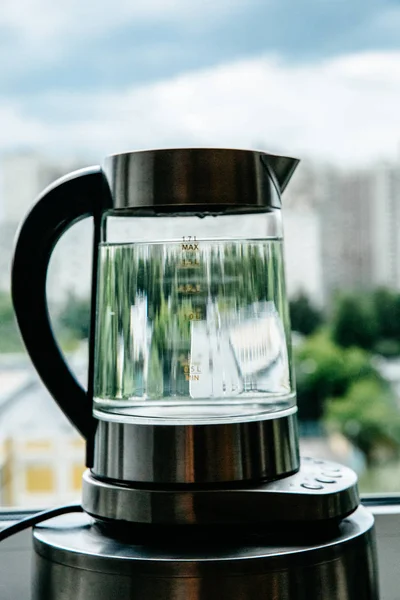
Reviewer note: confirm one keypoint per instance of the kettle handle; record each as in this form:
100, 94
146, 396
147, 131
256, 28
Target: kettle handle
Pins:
78, 195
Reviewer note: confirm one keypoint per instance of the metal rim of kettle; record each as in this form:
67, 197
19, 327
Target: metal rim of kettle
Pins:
158, 451
202, 180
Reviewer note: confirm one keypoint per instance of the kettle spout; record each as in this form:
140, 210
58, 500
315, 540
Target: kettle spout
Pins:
282, 168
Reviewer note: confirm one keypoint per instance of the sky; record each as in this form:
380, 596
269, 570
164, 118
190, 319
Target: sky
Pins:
311, 78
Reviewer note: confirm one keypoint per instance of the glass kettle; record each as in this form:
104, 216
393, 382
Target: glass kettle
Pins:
189, 316
194, 480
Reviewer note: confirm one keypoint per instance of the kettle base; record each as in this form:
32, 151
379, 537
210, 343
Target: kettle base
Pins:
74, 559
319, 492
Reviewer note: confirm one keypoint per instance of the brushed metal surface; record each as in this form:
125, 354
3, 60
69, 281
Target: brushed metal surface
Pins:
156, 451
199, 179
284, 500
74, 560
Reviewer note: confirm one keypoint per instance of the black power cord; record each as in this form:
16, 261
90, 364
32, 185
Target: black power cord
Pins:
38, 518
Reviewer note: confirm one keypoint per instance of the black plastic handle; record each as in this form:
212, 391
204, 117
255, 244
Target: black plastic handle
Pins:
78, 195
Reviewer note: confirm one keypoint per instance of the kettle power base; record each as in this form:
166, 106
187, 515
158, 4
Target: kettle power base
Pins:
73, 556
320, 492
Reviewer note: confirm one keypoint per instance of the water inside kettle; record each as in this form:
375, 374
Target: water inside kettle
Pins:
192, 328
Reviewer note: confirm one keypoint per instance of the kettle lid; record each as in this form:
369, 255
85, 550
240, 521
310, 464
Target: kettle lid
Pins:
209, 180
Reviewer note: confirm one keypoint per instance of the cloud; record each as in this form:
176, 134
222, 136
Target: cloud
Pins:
131, 42
87, 47
18, 130
42, 20
343, 110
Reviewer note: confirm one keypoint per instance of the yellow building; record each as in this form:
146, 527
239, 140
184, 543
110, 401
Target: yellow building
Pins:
41, 454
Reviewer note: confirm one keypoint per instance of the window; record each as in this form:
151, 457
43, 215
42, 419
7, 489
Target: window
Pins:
323, 85
313, 79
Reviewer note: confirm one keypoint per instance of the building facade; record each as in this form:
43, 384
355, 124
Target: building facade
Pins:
360, 225
41, 454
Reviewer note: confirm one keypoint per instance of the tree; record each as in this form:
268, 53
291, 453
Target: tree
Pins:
368, 416
354, 322
341, 387
324, 370
386, 305
305, 318
75, 317
10, 339
387, 310
320, 375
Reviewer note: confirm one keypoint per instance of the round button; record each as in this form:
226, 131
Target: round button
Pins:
325, 479
312, 486
328, 468
329, 474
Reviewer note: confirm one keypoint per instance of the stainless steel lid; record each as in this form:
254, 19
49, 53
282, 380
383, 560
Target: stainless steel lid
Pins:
197, 179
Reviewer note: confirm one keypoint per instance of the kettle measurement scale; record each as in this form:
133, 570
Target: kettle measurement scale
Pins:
190, 260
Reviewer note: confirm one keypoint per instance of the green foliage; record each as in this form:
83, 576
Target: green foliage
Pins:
355, 322
10, 340
370, 321
367, 413
324, 370
75, 317
386, 305
368, 416
319, 374
387, 348
342, 387
305, 318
